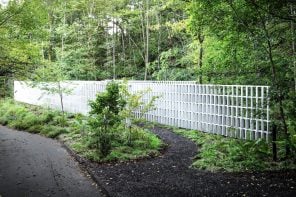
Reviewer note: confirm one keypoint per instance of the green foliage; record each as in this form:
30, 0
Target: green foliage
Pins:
134, 103
108, 104
78, 134
220, 42
251, 42
20, 34
145, 144
107, 113
227, 154
32, 119
105, 116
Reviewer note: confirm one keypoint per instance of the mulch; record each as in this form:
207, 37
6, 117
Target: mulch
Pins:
170, 175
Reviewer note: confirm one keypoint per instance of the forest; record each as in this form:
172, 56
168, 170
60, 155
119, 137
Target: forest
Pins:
249, 42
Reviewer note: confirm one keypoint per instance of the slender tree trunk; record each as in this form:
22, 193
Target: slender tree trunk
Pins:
50, 34
123, 47
143, 36
108, 52
63, 35
147, 40
60, 92
201, 50
113, 49
158, 18
61, 96
274, 145
293, 44
278, 87
43, 59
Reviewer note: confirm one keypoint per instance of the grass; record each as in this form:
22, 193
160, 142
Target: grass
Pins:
219, 153
30, 118
216, 153
74, 131
144, 145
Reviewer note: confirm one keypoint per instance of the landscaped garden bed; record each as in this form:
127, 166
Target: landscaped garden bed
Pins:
74, 131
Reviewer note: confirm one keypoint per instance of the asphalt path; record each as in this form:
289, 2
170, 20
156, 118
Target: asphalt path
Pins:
32, 165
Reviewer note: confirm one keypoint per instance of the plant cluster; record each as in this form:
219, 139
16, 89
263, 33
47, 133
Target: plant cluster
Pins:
111, 118
32, 119
77, 132
228, 154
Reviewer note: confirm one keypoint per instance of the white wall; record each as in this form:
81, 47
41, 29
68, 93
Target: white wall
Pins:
229, 110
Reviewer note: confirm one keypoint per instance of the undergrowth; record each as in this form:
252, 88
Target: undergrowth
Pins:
75, 131
30, 118
219, 153
144, 144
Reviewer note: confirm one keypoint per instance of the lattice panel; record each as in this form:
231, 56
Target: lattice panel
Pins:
229, 110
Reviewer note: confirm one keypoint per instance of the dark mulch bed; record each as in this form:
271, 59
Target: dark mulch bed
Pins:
170, 175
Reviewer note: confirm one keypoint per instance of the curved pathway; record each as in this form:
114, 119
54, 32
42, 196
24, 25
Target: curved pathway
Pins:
170, 175
32, 165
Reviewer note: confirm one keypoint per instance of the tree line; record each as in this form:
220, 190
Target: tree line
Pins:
210, 41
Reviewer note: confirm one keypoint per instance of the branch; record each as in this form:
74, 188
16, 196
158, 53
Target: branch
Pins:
253, 2
137, 47
7, 18
244, 23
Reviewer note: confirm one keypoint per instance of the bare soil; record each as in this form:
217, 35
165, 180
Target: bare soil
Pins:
31, 165
170, 175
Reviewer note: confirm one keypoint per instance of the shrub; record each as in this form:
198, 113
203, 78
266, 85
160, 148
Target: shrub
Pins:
108, 112
93, 137
35, 129
229, 154
104, 116
47, 116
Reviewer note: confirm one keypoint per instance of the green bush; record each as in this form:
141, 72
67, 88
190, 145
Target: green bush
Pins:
109, 112
105, 116
105, 144
221, 153
56, 131
47, 116
31, 118
35, 129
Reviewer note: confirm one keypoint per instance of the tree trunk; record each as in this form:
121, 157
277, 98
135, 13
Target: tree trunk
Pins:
63, 36
278, 88
113, 49
123, 47
50, 34
158, 18
293, 45
60, 92
147, 40
201, 50
274, 147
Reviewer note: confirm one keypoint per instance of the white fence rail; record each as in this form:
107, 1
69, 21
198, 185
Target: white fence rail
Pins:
229, 110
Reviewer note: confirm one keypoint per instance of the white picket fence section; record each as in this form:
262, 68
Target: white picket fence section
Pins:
230, 110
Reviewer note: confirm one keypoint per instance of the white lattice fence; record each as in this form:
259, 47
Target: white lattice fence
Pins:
229, 110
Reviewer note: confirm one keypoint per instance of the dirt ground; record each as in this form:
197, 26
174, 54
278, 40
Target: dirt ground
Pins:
170, 175
32, 165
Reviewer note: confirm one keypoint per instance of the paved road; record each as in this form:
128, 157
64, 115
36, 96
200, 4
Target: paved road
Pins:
32, 165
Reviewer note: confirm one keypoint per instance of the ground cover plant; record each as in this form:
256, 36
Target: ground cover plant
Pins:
218, 153
111, 132
31, 118
76, 132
